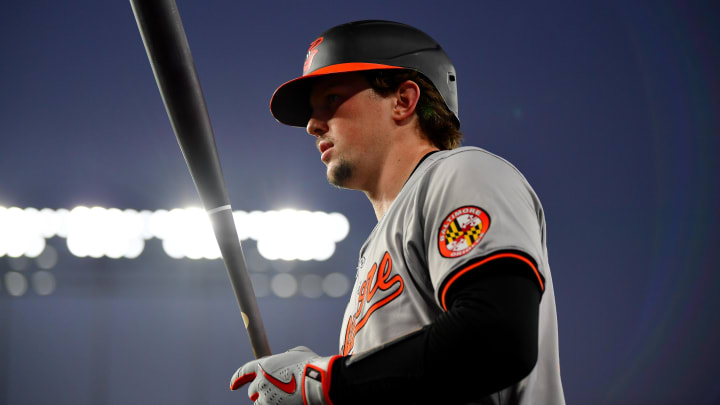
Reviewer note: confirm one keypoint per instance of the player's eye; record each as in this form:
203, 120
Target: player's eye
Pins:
332, 99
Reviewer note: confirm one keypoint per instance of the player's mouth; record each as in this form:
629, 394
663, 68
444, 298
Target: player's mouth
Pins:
325, 147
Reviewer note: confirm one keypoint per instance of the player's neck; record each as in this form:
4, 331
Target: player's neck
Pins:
394, 173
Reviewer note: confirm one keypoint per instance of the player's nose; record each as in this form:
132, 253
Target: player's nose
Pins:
316, 127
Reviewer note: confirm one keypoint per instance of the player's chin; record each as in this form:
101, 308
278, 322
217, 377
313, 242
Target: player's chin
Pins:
332, 179
339, 173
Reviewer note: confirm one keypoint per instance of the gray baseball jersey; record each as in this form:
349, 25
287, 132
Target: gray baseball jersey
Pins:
459, 209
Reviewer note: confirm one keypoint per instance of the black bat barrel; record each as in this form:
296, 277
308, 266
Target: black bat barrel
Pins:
172, 63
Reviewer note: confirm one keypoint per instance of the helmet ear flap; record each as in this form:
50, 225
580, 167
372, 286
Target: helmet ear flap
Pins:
366, 45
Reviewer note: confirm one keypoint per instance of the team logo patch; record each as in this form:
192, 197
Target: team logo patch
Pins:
311, 54
462, 230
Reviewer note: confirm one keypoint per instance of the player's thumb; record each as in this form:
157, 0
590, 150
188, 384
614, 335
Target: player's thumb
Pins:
244, 375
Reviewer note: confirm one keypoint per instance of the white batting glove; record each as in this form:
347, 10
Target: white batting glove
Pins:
296, 377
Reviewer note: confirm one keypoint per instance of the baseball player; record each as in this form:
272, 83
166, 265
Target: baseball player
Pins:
453, 300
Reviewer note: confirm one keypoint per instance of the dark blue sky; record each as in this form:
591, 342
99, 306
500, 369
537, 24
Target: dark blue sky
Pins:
610, 109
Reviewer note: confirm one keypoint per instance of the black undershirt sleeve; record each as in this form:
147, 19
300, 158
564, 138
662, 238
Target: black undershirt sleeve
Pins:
486, 341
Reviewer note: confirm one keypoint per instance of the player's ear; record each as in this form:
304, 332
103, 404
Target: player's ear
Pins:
405, 100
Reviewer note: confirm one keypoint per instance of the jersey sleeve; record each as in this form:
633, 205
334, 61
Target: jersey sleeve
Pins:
477, 208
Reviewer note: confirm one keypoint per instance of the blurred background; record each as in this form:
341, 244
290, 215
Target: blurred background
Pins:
610, 109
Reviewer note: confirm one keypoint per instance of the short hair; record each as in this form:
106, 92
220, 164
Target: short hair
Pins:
436, 121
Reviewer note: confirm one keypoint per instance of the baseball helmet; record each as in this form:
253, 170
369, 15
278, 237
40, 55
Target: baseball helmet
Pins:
365, 45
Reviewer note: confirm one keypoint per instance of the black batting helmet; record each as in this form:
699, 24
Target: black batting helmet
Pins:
365, 45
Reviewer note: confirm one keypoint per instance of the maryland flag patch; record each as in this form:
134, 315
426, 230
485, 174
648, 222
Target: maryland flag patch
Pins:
462, 230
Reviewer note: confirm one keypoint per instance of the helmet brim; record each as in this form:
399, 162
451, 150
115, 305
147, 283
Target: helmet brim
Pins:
290, 104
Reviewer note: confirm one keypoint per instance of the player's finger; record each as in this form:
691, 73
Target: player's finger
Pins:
243, 375
239, 380
254, 390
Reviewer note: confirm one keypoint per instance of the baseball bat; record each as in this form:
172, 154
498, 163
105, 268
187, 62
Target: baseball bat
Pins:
174, 69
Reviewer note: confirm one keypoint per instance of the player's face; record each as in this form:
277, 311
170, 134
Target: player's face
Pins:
349, 120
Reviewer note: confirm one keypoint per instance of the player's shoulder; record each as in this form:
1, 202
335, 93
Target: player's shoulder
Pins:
471, 160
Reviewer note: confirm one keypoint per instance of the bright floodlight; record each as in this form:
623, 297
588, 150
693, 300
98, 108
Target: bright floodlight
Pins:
35, 246
61, 222
242, 228
144, 219
297, 235
48, 223
188, 233
95, 232
338, 227
158, 223
98, 232
3, 233
21, 232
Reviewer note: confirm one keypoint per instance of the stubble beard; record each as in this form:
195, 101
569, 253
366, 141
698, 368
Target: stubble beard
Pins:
340, 175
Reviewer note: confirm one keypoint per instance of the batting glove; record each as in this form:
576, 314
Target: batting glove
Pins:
296, 377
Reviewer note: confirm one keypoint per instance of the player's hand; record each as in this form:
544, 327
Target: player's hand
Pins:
296, 377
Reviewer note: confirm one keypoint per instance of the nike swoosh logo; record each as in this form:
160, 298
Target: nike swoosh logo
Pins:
287, 387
